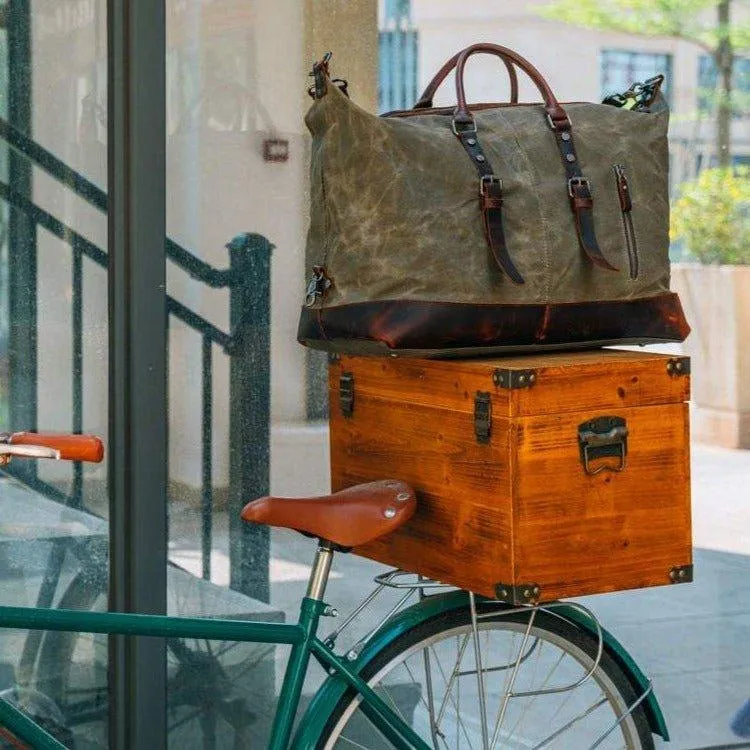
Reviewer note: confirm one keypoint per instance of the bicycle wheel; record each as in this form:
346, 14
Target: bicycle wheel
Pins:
429, 676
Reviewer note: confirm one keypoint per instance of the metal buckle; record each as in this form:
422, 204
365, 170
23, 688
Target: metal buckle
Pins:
471, 129
578, 181
491, 179
551, 122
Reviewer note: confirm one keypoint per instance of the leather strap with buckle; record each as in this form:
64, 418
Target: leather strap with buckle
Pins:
491, 202
490, 196
579, 193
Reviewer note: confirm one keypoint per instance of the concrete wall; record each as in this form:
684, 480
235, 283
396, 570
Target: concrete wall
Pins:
716, 300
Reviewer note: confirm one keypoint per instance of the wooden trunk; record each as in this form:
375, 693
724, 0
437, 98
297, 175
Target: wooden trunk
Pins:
495, 449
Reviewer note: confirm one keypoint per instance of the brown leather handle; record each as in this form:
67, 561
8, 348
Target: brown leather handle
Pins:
558, 118
71, 447
425, 101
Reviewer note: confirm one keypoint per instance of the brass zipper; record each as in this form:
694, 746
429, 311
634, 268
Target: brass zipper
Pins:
626, 207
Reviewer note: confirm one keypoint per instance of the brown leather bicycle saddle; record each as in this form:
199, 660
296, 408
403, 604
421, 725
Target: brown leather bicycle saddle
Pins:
348, 518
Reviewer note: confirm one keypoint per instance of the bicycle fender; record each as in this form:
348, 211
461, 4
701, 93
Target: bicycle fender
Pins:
315, 718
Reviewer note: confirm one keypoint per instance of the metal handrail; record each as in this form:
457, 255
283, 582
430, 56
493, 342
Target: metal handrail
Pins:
64, 232
98, 198
248, 281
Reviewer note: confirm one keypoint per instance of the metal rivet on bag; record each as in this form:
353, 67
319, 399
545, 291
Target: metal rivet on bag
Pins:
570, 157
565, 136
471, 141
402, 497
389, 512
480, 157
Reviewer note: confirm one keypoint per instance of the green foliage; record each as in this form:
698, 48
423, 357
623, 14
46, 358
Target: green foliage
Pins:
712, 216
681, 19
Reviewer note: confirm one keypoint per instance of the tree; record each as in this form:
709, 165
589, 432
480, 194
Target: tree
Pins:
707, 23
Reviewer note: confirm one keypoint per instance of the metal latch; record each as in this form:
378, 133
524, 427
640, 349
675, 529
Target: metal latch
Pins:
482, 416
600, 438
346, 394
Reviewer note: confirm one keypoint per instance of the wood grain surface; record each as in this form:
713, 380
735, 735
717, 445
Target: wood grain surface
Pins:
520, 509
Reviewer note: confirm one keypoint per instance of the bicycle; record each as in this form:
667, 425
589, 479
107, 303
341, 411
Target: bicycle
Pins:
451, 670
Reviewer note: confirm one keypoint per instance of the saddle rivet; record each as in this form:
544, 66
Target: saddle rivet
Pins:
570, 157
480, 157
471, 141
565, 136
389, 512
402, 497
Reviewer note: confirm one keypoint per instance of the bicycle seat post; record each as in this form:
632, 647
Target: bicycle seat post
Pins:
321, 569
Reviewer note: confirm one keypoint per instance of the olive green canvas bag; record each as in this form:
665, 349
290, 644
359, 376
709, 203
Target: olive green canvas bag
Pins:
488, 227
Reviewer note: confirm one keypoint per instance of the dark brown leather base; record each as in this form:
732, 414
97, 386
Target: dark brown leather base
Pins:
428, 328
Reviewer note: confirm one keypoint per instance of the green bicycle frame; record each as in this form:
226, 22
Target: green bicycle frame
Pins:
302, 637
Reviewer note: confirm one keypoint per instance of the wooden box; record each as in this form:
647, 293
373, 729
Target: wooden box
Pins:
538, 477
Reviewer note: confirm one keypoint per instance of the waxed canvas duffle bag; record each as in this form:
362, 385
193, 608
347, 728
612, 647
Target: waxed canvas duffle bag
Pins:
488, 227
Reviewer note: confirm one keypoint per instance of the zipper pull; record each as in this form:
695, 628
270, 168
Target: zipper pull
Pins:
626, 204
319, 284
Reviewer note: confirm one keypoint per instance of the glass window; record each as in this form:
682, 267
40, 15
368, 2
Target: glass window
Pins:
399, 52
622, 68
54, 353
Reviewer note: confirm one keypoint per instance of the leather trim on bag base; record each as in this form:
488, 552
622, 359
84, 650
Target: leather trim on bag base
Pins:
446, 329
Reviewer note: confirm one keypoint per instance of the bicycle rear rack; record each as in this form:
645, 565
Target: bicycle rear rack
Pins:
412, 584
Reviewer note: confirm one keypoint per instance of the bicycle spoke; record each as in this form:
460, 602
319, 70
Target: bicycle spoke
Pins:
519, 723
352, 742
562, 704
512, 681
430, 695
453, 676
530, 703
459, 721
570, 724
480, 674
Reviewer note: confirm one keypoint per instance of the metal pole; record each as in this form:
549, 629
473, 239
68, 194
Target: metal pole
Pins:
137, 365
22, 271
250, 409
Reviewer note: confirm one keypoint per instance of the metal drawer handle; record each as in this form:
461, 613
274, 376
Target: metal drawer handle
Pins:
600, 438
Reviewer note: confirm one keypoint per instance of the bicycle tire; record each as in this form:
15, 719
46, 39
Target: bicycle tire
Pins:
580, 645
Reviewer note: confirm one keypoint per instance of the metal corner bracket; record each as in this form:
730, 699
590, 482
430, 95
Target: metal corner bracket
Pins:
678, 366
512, 379
522, 593
681, 574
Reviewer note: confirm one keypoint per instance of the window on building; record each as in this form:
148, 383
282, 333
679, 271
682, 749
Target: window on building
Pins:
621, 68
399, 43
708, 82
396, 10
